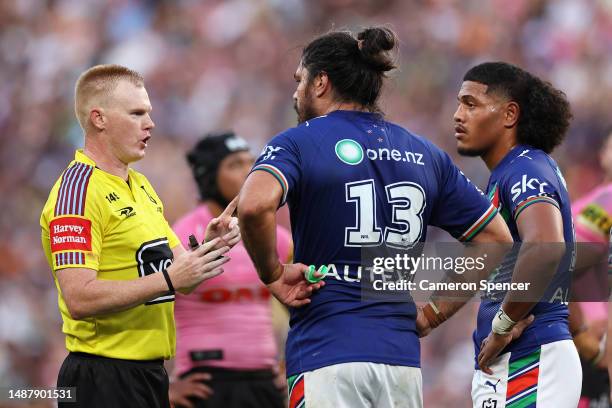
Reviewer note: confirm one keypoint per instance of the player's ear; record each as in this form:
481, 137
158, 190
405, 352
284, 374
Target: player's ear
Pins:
511, 115
321, 84
97, 118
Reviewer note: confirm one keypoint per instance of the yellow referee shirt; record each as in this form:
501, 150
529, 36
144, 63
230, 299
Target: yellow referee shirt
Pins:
96, 220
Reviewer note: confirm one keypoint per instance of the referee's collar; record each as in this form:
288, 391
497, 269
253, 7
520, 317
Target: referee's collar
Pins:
79, 156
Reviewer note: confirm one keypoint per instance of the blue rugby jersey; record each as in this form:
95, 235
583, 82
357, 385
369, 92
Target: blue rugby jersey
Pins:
526, 176
353, 180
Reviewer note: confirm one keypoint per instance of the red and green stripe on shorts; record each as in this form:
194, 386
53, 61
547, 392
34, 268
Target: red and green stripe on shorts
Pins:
296, 391
522, 387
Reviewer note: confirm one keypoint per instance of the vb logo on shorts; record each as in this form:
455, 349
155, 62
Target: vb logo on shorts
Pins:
152, 257
349, 151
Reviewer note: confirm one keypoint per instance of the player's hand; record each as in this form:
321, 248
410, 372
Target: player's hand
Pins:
292, 288
190, 386
590, 346
224, 227
495, 343
192, 267
422, 324
587, 344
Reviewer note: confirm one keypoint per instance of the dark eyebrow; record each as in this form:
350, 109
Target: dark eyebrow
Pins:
465, 98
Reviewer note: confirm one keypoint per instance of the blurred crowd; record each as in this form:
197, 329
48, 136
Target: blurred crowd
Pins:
213, 64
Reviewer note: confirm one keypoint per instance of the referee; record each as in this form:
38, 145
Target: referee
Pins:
115, 260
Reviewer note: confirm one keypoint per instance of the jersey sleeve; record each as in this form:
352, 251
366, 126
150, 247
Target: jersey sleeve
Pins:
525, 183
462, 209
73, 225
281, 159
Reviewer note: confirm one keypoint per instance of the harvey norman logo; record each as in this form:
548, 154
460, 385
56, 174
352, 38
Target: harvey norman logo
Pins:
351, 152
77, 229
70, 233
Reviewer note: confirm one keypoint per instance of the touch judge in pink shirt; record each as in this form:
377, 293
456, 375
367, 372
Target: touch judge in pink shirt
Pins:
226, 348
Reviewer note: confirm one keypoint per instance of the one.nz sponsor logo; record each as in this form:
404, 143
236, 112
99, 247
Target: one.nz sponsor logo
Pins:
350, 152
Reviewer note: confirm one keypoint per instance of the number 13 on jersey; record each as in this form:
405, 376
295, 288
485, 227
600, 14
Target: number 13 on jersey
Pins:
407, 200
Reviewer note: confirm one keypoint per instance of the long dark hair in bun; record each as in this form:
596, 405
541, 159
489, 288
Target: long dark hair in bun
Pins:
355, 65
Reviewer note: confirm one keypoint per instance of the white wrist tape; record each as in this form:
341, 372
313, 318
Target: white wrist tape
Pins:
502, 323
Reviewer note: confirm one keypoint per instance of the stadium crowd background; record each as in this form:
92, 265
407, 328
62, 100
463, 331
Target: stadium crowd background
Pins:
229, 64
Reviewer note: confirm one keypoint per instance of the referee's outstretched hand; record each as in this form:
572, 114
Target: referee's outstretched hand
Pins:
192, 267
225, 226
292, 288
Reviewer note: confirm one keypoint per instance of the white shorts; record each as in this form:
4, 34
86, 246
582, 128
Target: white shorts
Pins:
357, 385
550, 377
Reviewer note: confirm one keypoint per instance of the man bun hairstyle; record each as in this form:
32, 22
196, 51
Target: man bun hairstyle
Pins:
356, 66
545, 113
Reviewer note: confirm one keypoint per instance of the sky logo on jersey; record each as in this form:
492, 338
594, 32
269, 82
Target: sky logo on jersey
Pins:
349, 151
522, 186
70, 233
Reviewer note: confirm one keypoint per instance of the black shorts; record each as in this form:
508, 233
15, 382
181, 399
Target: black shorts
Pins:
107, 382
239, 389
595, 385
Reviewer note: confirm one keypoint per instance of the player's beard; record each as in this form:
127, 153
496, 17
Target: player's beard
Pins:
305, 109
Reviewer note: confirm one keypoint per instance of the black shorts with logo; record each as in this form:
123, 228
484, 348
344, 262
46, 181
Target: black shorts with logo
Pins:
108, 382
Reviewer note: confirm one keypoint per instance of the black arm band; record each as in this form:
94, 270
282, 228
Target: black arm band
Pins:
168, 281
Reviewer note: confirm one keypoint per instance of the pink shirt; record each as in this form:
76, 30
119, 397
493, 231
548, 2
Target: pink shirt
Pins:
593, 215
592, 221
229, 314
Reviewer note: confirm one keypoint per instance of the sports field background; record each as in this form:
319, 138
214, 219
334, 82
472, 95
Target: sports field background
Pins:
229, 64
